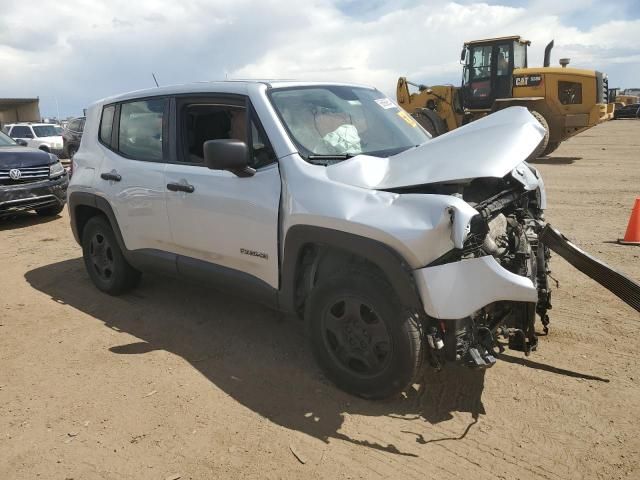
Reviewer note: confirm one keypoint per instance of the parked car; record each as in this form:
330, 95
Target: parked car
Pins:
30, 179
327, 201
627, 111
37, 135
72, 136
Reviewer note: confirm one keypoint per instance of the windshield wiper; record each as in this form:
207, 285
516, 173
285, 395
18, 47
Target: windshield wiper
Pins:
336, 156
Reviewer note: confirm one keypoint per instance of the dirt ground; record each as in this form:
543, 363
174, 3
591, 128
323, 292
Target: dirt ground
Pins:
174, 380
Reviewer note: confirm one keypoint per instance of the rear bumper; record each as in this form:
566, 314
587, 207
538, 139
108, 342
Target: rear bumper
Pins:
456, 290
30, 196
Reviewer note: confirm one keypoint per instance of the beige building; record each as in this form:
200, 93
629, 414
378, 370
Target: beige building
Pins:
14, 110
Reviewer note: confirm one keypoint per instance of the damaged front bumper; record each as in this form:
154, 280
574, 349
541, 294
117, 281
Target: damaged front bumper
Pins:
472, 303
457, 290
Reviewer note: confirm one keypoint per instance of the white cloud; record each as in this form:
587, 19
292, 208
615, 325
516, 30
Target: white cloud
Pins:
78, 51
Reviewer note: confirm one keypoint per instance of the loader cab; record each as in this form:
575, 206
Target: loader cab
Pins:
488, 69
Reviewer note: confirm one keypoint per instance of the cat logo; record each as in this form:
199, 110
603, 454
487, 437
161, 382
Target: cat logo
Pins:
527, 81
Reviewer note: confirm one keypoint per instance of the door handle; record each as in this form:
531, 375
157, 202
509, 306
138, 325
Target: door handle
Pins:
180, 187
113, 176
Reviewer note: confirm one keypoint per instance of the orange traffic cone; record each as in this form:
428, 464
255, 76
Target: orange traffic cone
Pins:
632, 235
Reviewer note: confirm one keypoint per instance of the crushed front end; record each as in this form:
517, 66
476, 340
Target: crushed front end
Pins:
487, 294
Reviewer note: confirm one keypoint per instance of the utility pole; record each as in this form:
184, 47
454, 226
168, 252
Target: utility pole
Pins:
57, 109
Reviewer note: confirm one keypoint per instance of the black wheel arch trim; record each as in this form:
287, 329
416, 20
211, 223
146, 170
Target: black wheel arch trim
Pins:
77, 199
388, 260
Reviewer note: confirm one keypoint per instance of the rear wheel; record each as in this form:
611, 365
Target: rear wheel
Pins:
542, 147
362, 337
103, 258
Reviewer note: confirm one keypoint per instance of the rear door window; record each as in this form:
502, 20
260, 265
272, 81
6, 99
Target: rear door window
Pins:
45, 130
140, 129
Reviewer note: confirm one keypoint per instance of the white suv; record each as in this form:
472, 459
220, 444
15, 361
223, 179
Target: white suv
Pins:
45, 136
330, 202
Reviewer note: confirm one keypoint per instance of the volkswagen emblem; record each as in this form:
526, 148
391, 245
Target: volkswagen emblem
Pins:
15, 174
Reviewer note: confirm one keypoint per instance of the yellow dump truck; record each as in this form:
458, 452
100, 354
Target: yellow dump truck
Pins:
496, 75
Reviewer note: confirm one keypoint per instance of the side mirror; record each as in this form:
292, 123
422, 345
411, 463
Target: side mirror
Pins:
229, 155
463, 54
21, 142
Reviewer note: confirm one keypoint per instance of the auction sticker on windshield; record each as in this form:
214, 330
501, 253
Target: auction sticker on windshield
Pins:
385, 103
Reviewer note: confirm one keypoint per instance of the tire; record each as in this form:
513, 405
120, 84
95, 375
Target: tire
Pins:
362, 337
50, 211
542, 147
103, 259
426, 123
551, 147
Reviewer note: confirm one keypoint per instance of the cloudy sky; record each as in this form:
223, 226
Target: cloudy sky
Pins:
76, 51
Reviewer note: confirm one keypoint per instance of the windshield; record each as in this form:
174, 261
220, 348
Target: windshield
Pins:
45, 131
58, 130
6, 140
341, 121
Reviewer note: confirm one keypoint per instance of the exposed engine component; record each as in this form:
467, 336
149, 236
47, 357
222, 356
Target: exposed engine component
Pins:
507, 228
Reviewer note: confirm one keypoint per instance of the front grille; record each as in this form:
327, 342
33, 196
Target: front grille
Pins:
27, 175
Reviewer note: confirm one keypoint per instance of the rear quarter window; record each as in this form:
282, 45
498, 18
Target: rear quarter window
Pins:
21, 131
106, 125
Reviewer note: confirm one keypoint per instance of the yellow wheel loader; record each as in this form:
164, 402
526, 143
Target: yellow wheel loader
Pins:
566, 101
629, 96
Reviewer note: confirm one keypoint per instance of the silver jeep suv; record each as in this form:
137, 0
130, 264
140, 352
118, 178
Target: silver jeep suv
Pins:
330, 202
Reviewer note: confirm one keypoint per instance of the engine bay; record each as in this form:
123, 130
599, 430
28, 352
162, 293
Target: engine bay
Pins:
507, 227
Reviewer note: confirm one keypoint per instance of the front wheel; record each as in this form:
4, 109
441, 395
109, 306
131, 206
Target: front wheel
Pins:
426, 123
362, 337
103, 258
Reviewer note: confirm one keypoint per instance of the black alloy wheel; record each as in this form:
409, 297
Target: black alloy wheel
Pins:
363, 338
101, 256
356, 337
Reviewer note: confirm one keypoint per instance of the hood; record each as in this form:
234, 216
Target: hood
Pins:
490, 147
21, 157
53, 139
